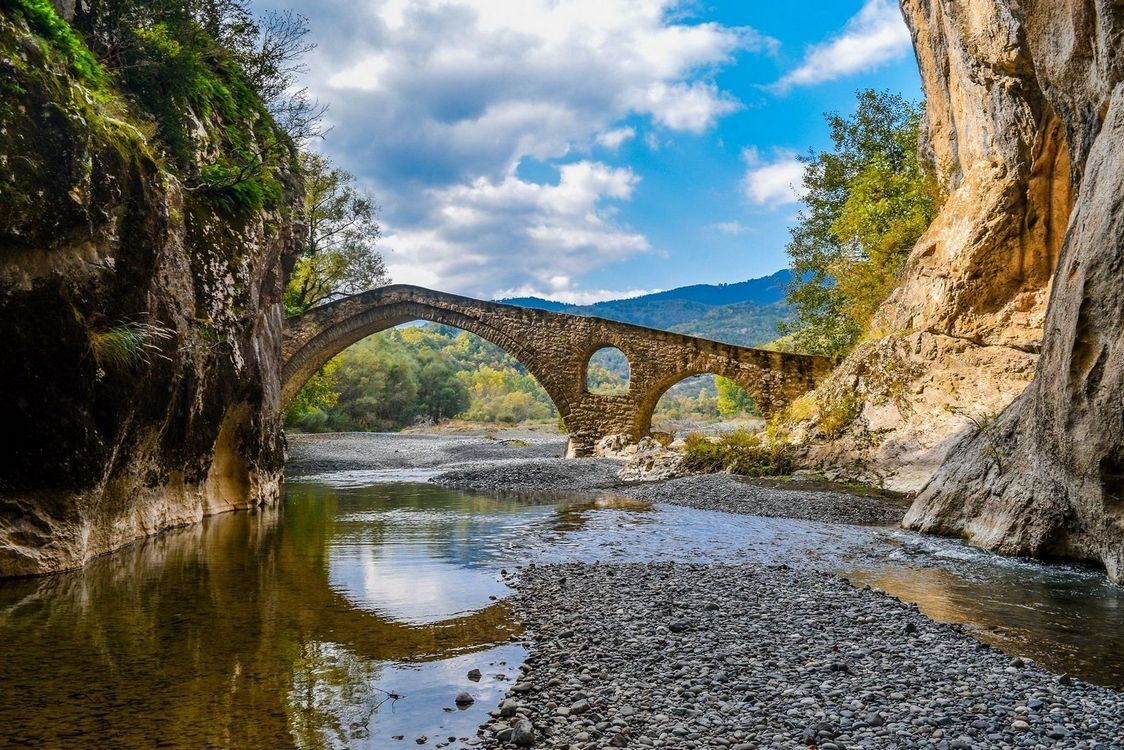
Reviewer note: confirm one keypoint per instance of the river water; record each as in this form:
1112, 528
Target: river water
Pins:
352, 616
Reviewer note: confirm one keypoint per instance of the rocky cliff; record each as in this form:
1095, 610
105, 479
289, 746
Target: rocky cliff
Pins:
140, 280
1017, 280
1046, 478
958, 340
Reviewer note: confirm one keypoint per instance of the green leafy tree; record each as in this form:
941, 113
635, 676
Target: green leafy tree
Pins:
338, 257
732, 399
867, 202
440, 395
317, 397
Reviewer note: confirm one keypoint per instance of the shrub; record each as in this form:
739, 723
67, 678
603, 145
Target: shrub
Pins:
739, 452
44, 21
836, 415
127, 345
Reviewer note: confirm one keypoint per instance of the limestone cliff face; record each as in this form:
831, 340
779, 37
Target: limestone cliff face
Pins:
959, 339
140, 318
1047, 477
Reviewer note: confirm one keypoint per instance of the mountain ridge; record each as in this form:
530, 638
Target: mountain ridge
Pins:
763, 290
744, 313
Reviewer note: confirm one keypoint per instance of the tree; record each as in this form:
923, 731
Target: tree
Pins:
338, 257
160, 46
732, 398
867, 202
440, 395
316, 397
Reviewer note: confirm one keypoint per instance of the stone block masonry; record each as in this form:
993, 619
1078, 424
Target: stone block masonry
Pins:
555, 348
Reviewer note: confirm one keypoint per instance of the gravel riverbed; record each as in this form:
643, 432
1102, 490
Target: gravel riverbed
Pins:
741, 656
762, 498
351, 451
744, 657
519, 461
535, 475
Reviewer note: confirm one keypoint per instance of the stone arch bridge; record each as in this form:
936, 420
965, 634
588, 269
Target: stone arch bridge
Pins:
555, 348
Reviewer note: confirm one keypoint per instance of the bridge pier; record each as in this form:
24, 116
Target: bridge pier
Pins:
556, 349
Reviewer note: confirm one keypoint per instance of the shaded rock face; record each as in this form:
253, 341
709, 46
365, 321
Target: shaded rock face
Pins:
960, 338
1047, 476
99, 237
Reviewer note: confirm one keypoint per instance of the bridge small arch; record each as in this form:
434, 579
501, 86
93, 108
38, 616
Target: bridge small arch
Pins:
607, 372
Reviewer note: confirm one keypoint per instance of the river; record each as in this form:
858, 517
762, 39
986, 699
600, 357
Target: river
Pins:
352, 616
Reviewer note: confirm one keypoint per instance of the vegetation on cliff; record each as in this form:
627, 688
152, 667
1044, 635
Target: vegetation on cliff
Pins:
867, 202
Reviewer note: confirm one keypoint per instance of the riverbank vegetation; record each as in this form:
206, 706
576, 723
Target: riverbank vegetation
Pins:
744, 452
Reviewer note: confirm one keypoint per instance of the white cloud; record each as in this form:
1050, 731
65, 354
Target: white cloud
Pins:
877, 34
775, 182
614, 139
689, 107
446, 89
728, 227
436, 104
573, 296
506, 234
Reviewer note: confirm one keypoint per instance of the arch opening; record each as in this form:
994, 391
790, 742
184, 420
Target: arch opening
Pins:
706, 403
420, 373
607, 372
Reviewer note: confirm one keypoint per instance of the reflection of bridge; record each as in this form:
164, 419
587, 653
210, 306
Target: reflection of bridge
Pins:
555, 348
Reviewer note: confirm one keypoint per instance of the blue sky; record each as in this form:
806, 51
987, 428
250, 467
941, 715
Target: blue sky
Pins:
588, 149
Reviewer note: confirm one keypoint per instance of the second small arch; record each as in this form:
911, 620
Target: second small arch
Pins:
607, 372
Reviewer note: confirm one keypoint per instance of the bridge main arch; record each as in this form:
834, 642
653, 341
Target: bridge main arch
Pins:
555, 348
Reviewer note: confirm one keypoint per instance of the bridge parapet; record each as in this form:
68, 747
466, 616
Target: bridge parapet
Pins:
555, 348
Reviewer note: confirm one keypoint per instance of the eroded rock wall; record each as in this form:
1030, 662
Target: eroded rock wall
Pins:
959, 339
1047, 477
999, 362
106, 439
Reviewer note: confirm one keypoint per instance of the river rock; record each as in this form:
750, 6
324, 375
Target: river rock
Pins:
651, 461
752, 673
523, 733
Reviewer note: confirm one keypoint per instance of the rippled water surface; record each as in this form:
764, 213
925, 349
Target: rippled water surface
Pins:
353, 615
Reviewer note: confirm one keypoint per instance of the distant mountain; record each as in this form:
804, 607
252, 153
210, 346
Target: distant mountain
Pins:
744, 313
538, 303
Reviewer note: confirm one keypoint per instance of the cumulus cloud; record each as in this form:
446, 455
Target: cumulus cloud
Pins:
692, 107
877, 34
774, 182
489, 236
437, 103
614, 139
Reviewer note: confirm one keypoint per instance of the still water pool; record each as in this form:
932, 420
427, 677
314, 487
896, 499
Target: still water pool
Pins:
352, 616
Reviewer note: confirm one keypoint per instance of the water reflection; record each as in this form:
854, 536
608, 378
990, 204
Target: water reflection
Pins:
238, 632
354, 614
1067, 618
